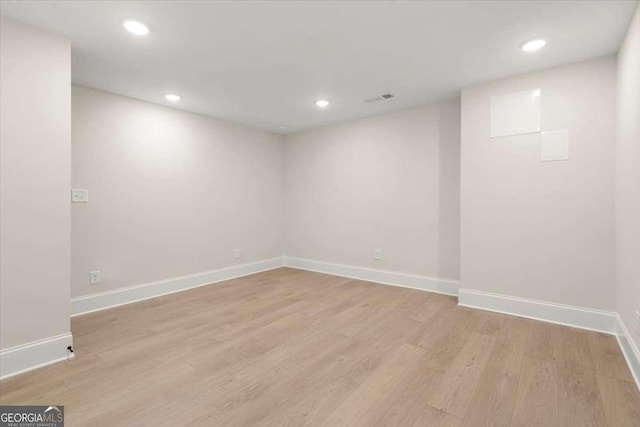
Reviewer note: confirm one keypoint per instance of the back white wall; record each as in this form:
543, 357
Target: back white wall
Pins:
170, 193
389, 182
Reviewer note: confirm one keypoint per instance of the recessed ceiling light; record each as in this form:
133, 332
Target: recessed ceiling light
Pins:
322, 103
136, 27
533, 45
173, 98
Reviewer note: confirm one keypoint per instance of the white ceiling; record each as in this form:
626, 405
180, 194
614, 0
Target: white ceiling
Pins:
263, 64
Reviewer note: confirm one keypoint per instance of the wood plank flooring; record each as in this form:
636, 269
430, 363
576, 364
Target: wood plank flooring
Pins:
290, 348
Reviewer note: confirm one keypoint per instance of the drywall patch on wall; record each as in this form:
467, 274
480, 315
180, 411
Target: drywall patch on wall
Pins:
554, 145
515, 113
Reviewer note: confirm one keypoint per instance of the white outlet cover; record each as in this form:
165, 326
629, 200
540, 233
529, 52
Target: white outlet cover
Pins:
79, 195
94, 277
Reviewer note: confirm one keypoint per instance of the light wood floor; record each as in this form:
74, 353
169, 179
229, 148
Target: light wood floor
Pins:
290, 348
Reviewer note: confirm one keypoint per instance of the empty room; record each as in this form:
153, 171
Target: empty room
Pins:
319, 213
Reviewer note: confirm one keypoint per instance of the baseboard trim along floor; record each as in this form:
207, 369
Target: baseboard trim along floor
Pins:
338, 351
392, 278
577, 317
629, 350
567, 315
27, 357
103, 300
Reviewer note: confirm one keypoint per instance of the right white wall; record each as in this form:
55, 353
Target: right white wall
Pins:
627, 183
542, 230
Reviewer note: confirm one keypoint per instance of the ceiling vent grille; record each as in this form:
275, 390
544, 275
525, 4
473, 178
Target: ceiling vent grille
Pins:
379, 98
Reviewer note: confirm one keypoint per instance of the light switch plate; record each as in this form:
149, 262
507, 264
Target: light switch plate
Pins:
79, 195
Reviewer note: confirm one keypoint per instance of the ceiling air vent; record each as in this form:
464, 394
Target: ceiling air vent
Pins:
379, 98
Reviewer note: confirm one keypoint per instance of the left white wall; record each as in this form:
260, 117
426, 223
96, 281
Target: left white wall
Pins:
35, 213
171, 196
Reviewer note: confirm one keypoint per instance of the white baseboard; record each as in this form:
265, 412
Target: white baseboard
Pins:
629, 349
100, 301
424, 283
567, 315
31, 356
36, 354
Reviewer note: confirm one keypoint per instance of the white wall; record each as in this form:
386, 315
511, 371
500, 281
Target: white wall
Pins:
170, 193
389, 182
35, 173
628, 178
542, 230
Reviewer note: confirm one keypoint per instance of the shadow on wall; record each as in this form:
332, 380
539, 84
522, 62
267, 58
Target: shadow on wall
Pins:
449, 192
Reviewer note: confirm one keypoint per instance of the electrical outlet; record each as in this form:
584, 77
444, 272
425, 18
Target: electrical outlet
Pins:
236, 253
79, 195
94, 277
377, 254
637, 313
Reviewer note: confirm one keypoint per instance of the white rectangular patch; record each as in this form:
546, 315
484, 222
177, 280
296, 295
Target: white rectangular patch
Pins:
515, 113
554, 145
